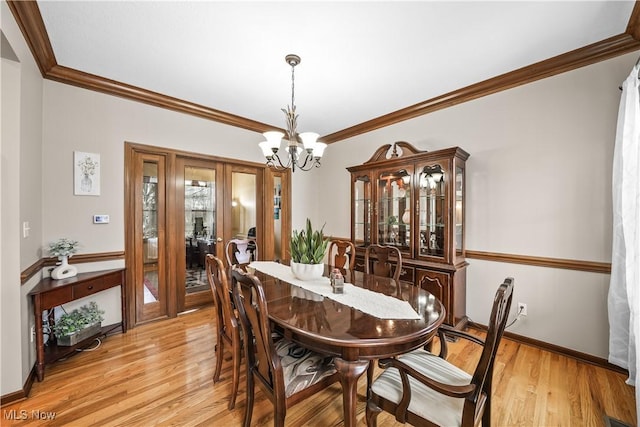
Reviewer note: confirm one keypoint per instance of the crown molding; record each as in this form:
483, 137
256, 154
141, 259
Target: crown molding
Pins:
29, 19
596, 52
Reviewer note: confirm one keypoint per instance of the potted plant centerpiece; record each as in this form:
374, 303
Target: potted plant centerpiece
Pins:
307, 248
71, 328
63, 249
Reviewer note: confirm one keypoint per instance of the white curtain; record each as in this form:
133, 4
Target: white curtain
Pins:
624, 289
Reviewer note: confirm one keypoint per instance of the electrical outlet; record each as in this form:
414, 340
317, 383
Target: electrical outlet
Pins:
33, 333
522, 309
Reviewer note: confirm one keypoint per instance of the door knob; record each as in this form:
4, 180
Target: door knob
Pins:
219, 239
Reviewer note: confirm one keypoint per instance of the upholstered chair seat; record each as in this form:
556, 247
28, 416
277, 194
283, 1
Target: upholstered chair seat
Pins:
423, 389
425, 402
301, 367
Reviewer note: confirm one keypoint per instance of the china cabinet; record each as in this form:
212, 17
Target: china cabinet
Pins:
414, 200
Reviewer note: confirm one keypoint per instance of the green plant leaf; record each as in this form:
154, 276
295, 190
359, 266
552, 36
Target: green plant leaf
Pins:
308, 246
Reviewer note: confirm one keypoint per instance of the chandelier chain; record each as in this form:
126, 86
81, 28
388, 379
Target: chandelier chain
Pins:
293, 86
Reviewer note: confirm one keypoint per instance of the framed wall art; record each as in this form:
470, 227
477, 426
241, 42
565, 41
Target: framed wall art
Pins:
86, 176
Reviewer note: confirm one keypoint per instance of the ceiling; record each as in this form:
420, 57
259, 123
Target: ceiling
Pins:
360, 60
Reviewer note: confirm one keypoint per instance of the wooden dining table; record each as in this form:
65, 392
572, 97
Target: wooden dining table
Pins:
353, 337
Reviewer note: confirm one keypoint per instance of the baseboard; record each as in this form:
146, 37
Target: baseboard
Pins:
583, 357
20, 394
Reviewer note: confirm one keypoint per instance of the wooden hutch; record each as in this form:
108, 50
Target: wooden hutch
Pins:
414, 200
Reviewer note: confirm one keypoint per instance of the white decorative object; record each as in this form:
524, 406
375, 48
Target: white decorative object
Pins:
64, 270
406, 217
86, 181
63, 249
307, 271
243, 255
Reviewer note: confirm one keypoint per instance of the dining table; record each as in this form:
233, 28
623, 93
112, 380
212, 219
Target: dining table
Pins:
375, 317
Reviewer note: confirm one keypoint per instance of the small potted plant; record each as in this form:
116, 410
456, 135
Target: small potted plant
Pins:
71, 328
63, 249
307, 248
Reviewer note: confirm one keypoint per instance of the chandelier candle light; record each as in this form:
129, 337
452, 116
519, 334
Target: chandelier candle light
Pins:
299, 157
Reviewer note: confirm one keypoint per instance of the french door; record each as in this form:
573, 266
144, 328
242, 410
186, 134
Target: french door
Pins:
182, 206
199, 227
149, 237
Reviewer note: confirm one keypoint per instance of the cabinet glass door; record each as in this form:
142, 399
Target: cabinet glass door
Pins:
459, 211
394, 208
361, 233
432, 211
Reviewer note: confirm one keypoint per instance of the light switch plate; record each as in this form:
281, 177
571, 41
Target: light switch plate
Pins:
101, 219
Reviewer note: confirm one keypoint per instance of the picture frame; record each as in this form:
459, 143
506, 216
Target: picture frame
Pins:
86, 174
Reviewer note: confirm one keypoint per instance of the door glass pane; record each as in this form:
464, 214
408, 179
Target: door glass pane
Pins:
432, 211
277, 216
394, 209
243, 205
150, 232
199, 224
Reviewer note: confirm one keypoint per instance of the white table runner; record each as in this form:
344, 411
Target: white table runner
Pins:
370, 302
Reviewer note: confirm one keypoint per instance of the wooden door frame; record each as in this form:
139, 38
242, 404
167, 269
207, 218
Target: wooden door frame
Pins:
133, 248
266, 187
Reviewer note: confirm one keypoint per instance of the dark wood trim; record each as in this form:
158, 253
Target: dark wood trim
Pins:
583, 357
31, 271
36, 267
20, 394
84, 80
633, 28
567, 264
28, 17
596, 52
150, 149
84, 258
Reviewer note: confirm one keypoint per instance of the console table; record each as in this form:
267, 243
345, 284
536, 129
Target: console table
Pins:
50, 293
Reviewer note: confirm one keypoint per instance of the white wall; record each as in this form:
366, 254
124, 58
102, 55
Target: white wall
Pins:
21, 165
538, 184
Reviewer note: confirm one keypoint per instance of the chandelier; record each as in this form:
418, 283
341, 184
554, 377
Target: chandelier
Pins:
303, 150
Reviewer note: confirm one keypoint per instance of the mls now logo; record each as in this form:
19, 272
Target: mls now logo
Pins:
15, 415
23, 414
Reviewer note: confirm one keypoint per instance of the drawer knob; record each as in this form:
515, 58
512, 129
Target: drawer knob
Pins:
90, 287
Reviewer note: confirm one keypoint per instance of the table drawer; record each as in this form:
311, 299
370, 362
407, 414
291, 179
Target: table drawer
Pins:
92, 286
55, 297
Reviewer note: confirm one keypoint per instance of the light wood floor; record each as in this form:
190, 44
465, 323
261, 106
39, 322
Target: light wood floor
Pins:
160, 374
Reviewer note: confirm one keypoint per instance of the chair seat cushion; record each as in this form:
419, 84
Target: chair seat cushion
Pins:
302, 367
425, 402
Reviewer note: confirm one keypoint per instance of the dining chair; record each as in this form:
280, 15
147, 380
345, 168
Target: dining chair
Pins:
228, 329
342, 254
381, 265
241, 251
426, 390
286, 372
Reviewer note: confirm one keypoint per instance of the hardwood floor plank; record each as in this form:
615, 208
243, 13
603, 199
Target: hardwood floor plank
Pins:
161, 374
